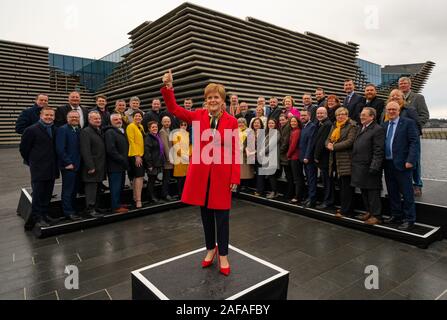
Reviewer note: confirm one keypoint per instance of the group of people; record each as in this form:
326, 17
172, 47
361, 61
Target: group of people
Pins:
351, 142
87, 147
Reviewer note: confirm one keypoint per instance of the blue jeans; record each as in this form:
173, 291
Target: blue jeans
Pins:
116, 180
70, 186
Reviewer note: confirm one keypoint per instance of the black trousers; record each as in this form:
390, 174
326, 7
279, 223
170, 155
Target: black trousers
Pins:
91, 192
328, 187
298, 178
167, 173
180, 185
273, 179
260, 180
346, 195
290, 184
216, 220
42, 192
371, 201
150, 187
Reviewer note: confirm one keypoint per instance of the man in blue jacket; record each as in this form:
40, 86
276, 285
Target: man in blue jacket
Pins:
38, 152
69, 160
31, 115
307, 147
401, 146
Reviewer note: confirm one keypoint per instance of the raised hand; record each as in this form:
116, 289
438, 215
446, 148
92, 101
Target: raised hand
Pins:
168, 79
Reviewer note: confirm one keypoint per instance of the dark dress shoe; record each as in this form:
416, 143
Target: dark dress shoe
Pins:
363, 216
310, 205
169, 198
406, 226
73, 217
42, 224
51, 220
324, 207
393, 220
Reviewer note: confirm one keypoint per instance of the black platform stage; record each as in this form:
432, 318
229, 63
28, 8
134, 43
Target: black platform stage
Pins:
431, 213
64, 226
182, 278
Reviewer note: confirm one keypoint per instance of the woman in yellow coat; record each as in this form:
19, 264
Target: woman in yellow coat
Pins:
182, 152
135, 136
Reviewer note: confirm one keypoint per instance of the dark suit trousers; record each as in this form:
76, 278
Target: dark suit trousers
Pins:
346, 195
116, 180
372, 202
289, 178
397, 183
91, 189
260, 180
328, 187
42, 192
311, 173
70, 186
298, 177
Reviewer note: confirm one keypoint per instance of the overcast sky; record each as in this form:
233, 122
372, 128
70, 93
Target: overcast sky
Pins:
388, 32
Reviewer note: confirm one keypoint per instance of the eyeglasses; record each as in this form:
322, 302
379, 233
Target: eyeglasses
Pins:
341, 114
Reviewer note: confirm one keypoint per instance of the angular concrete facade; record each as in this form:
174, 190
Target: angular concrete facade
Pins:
250, 57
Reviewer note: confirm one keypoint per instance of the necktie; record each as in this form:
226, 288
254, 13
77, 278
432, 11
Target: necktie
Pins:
50, 133
348, 99
388, 146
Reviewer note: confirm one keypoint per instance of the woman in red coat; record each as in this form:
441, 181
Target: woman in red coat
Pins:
214, 170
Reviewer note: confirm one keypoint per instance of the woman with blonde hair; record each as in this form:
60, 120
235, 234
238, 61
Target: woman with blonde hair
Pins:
210, 182
289, 110
135, 136
340, 143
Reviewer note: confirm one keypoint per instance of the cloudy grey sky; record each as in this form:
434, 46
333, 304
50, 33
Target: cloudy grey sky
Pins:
388, 32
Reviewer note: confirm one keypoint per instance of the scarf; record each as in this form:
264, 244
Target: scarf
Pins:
335, 136
160, 144
47, 127
242, 135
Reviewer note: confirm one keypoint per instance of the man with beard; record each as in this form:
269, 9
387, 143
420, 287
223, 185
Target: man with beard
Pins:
372, 101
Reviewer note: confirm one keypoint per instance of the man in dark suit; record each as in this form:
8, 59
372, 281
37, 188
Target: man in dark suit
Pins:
245, 113
275, 110
306, 147
74, 100
308, 106
117, 149
321, 157
366, 167
353, 101
31, 115
372, 101
415, 101
321, 97
261, 103
401, 144
93, 155
101, 107
38, 151
69, 159
155, 114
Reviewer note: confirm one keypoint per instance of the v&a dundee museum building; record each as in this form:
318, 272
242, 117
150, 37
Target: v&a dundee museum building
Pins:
278, 249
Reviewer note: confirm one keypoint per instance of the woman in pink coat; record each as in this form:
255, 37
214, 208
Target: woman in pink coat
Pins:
214, 170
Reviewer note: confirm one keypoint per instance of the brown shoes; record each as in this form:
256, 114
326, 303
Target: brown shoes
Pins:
364, 216
338, 214
372, 221
121, 210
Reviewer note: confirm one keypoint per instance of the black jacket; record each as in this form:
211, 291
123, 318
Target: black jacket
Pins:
38, 151
157, 117
321, 153
152, 156
27, 118
117, 149
274, 114
367, 157
377, 104
93, 153
61, 115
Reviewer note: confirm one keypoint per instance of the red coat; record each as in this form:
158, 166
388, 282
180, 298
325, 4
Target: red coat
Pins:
294, 152
220, 175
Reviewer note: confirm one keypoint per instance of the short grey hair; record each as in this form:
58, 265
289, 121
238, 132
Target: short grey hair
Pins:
135, 98
114, 115
93, 112
405, 79
242, 120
